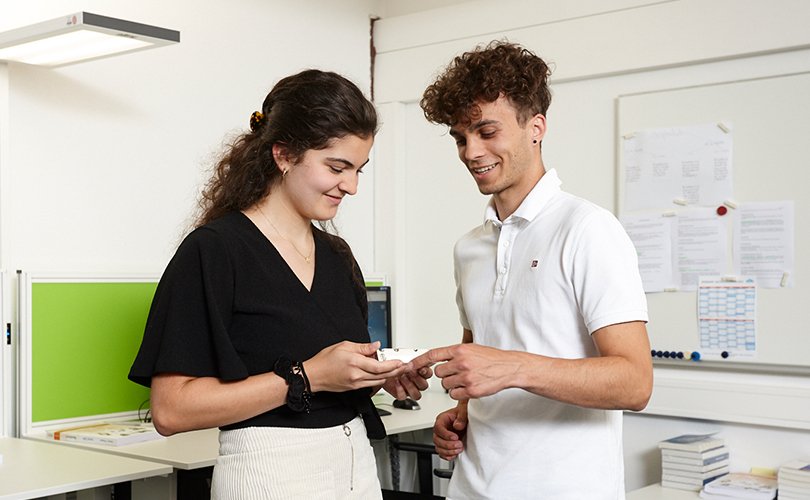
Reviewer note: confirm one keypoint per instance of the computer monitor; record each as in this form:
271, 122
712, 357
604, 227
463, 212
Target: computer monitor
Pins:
379, 314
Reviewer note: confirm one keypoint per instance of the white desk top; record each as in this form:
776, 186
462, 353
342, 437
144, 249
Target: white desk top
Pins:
32, 469
432, 403
197, 449
187, 450
657, 492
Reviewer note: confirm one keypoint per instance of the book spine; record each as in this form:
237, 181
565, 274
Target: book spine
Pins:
58, 434
795, 473
692, 461
681, 486
792, 477
695, 448
688, 480
97, 440
694, 468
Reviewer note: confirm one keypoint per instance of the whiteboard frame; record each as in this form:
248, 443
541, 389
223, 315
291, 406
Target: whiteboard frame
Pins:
747, 392
683, 297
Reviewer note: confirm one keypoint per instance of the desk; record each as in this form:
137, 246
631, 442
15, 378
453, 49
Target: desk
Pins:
198, 449
431, 403
185, 451
33, 469
657, 492
190, 452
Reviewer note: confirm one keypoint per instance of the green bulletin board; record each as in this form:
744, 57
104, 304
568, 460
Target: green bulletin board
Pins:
84, 337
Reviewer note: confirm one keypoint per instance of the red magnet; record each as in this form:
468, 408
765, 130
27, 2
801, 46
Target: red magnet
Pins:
721, 210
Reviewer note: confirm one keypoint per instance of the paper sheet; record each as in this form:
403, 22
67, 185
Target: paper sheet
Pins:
701, 242
652, 237
727, 316
692, 164
764, 242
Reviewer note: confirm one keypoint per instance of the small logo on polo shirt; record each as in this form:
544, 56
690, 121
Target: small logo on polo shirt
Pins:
534, 264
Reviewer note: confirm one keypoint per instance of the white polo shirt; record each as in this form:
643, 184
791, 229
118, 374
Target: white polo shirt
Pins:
542, 281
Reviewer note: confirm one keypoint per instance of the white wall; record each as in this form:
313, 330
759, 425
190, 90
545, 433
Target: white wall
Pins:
601, 49
106, 157
101, 162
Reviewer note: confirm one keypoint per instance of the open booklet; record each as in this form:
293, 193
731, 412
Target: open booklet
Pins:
742, 486
108, 433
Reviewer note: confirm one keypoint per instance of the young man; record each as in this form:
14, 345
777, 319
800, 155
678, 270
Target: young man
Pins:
550, 298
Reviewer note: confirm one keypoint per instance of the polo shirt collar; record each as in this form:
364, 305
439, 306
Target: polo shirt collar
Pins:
530, 207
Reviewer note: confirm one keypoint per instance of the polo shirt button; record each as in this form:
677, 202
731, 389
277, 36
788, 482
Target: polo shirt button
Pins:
503, 270
506, 243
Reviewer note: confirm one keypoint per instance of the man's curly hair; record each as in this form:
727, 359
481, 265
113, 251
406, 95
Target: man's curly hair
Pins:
483, 75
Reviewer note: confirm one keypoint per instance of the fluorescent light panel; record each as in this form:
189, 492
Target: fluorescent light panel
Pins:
80, 37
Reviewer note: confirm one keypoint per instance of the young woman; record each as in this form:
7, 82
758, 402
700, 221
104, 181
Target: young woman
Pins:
258, 325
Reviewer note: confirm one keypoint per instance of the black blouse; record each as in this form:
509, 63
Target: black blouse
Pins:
228, 306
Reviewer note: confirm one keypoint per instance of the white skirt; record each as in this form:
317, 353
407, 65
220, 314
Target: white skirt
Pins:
262, 463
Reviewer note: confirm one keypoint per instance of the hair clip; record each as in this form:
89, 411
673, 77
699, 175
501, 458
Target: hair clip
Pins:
257, 119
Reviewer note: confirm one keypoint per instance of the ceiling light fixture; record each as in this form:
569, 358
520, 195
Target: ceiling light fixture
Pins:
80, 37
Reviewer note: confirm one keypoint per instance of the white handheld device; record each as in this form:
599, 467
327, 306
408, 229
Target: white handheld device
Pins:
400, 353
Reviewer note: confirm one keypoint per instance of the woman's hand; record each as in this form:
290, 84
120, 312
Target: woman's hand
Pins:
348, 365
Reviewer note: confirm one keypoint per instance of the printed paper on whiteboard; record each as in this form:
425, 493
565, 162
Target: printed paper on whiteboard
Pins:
764, 243
701, 246
691, 164
727, 312
652, 237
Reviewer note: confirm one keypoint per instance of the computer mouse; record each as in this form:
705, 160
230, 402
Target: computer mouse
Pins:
406, 404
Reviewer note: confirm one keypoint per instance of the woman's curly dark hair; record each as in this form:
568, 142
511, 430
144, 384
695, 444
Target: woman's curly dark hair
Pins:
304, 111
483, 75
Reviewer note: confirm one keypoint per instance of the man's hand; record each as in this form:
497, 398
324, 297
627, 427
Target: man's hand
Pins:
449, 431
471, 370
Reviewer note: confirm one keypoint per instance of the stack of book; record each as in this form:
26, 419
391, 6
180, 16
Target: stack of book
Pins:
741, 486
111, 434
690, 461
794, 480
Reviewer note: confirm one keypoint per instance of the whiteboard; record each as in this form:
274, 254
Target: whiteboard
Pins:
770, 120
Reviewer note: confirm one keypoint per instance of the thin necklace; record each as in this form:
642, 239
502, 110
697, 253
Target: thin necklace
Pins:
307, 258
